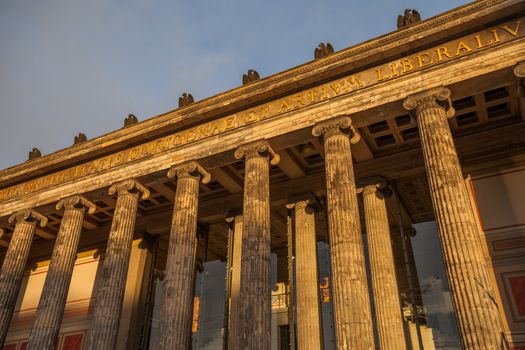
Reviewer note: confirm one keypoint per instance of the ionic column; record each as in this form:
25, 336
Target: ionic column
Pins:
472, 294
235, 286
15, 262
519, 73
104, 326
306, 275
177, 307
387, 305
353, 318
53, 299
255, 293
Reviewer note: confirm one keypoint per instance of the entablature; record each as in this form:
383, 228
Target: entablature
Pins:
335, 67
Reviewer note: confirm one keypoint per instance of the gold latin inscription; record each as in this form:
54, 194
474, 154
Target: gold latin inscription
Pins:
446, 52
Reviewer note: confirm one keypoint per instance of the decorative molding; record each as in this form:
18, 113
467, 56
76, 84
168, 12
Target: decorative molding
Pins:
508, 244
76, 202
513, 284
195, 133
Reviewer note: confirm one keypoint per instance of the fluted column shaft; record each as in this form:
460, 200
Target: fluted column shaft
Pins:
306, 275
235, 289
104, 326
387, 305
255, 292
472, 293
14, 264
52, 302
353, 319
177, 306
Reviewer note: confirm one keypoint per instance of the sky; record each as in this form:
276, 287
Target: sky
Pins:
70, 66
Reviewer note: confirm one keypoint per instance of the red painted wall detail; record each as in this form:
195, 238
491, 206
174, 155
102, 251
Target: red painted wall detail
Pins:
517, 285
73, 342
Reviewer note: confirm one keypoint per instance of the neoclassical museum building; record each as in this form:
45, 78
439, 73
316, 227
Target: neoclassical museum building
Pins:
371, 198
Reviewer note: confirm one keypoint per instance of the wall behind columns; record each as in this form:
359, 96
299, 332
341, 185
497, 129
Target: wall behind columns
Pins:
499, 199
79, 301
133, 309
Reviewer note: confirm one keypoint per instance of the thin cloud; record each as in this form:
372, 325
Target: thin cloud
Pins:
69, 66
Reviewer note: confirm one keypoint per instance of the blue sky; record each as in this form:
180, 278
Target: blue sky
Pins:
70, 66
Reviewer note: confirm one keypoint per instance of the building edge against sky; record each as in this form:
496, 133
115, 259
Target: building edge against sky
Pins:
370, 198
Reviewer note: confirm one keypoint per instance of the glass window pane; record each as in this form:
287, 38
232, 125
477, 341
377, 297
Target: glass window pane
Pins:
208, 319
325, 286
438, 325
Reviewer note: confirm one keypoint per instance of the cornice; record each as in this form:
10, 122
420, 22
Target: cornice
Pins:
456, 21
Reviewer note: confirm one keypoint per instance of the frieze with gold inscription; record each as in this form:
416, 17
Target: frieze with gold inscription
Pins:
419, 61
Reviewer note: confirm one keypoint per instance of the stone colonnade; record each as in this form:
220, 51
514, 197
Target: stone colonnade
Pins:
473, 298
353, 318
478, 317
15, 262
235, 284
105, 323
391, 334
309, 332
255, 289
176, 314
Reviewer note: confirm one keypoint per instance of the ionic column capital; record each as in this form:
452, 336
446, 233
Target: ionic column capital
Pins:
304, 200
124, 187
261, 148
373, 186
433, 98
28, 215
76, 202
190, 169
234, 216
519, 70
337, 126
519, 73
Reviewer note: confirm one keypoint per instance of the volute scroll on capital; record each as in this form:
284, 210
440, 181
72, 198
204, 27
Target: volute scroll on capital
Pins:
124, 187
190, 169
374, 185
76, 202
519, 73
433, 98
28, 215
234, 215
304, 200
337, 126
261, 148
